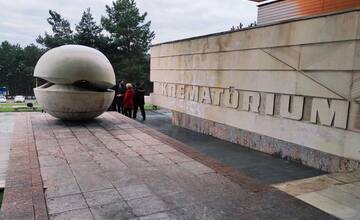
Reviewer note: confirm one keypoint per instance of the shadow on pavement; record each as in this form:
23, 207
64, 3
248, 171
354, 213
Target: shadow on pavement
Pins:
264, 167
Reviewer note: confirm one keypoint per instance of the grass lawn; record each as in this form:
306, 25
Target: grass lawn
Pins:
19, 110
22, 109
11, 104
17, 107
150, 107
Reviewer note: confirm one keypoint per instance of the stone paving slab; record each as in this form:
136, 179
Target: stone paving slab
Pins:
337, 193
299, 187
24, 194
6, 129
329, 205
116, 168
266, 168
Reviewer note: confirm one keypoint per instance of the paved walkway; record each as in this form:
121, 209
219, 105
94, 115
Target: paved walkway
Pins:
24, 194
116, 168
337, 194
261, 166
6, 129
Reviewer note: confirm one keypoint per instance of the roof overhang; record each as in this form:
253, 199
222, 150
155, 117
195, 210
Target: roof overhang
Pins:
264, 1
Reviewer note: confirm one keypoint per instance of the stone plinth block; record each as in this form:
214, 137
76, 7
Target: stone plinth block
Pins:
78, 84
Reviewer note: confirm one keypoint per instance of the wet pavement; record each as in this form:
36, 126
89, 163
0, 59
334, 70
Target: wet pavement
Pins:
116, 168
266, 168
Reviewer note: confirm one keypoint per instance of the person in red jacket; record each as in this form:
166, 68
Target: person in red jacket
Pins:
128, 101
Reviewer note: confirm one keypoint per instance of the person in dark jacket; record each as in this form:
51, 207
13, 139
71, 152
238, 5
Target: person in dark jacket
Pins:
115, 100
128, 102
139, 100
120, 96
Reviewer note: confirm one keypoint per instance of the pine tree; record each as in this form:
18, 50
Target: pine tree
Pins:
17, 67
62, 33
88, 33
31, 54
130, 39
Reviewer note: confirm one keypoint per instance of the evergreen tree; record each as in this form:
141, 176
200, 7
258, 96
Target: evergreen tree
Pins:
31, 54
130, 39
17, 67
126, 45
88, 33
62, 33
10, 68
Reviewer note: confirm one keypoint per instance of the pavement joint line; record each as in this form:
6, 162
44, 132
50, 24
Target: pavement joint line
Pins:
120, 159
226, 174
220, 168
59, 213
38, 207
68, 164
38, 163
185, 149
114, 187
198, 158
71, 194
126, 201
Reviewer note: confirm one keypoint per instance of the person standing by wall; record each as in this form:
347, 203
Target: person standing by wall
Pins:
128, 103
115, 101
139, 100
120, 96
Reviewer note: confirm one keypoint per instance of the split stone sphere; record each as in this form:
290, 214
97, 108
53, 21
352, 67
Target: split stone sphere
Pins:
78, 84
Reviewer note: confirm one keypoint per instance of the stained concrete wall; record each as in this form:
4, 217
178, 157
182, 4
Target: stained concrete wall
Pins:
298, 82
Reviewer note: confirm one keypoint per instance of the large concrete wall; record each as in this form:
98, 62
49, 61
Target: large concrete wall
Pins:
297, 82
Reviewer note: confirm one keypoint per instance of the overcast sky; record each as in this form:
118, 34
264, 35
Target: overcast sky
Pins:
21, 21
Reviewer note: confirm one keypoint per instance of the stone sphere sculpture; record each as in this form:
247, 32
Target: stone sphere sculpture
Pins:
78, 81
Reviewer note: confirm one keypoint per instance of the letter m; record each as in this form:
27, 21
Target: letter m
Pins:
335, 114
192, 93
